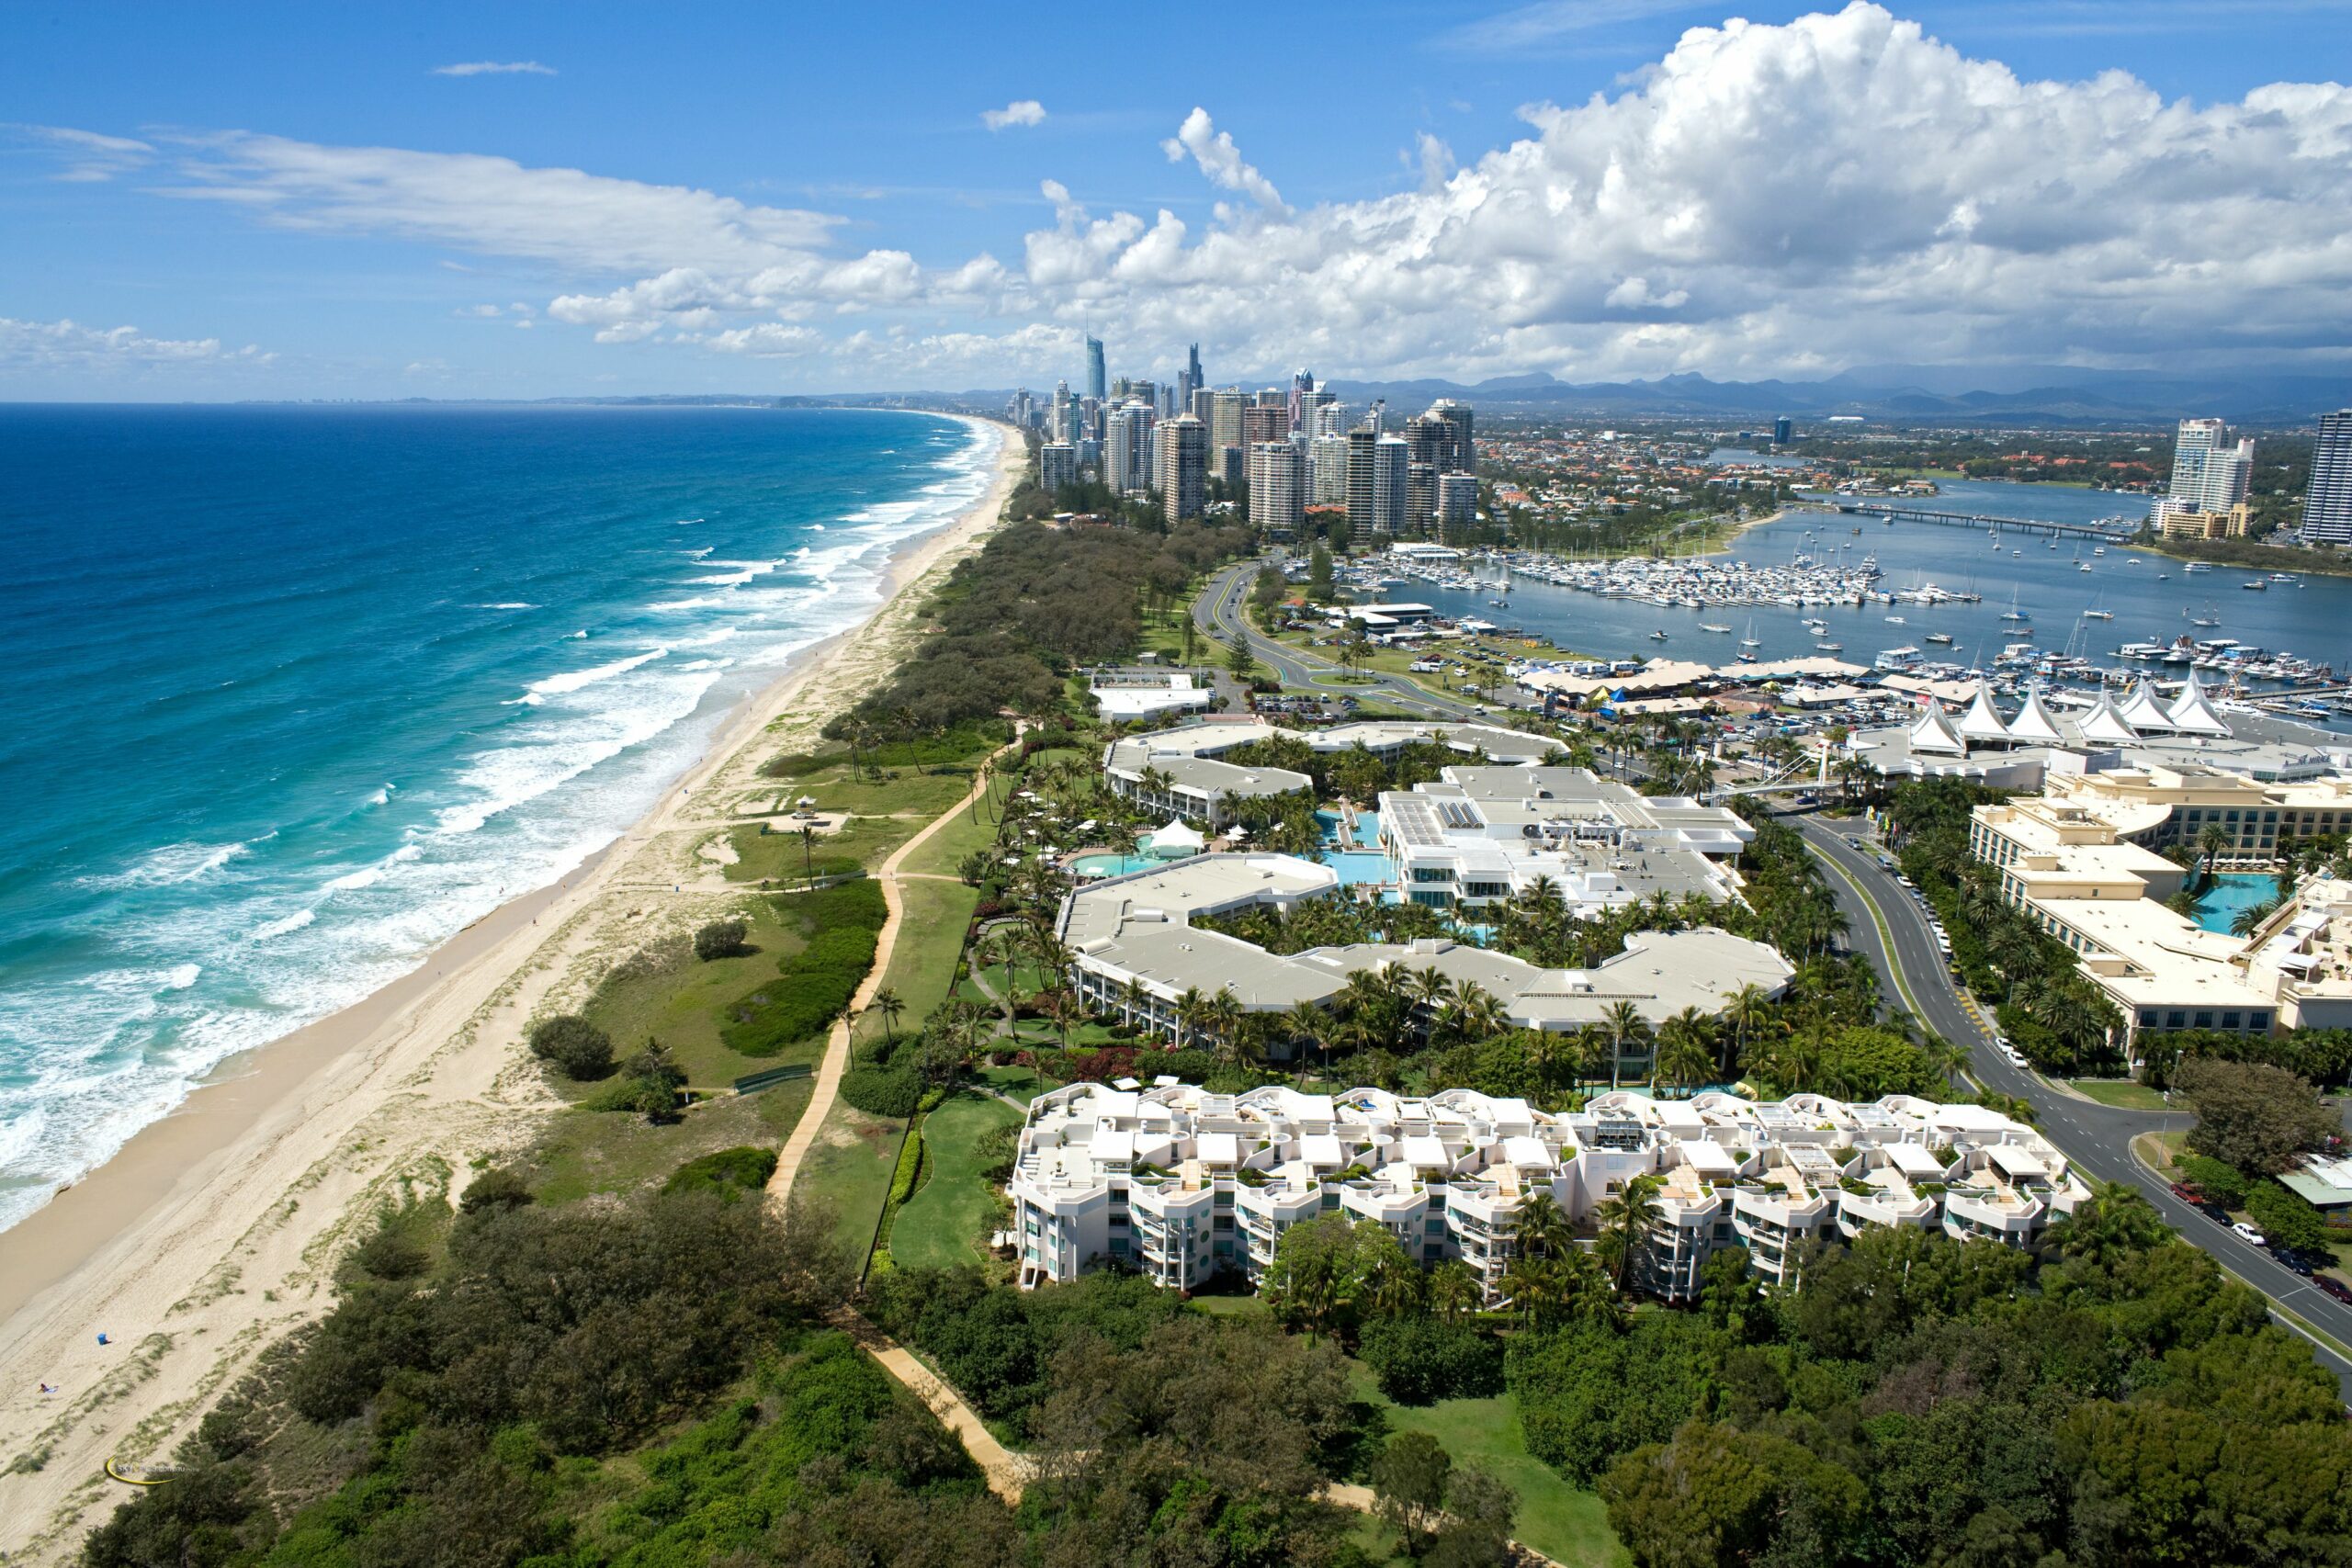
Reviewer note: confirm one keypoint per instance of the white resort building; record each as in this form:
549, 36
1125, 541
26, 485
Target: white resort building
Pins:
1184, 1185
1135, 953
2080, 860
1481, 835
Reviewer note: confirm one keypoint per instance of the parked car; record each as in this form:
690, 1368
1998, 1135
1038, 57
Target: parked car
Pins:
2187, 1193
2333, 1287
2247, 1234
1887, 862
2298, 1262
2216, 1213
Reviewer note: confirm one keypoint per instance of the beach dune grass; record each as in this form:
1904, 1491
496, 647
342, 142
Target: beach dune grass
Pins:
943, 1225
847, 1173
587, 1153
665, 993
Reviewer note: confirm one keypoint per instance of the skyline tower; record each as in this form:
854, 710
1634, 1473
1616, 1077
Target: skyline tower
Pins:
2327, 504
1098, 385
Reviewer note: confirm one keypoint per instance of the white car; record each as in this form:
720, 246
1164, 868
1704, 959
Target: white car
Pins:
2247, 1234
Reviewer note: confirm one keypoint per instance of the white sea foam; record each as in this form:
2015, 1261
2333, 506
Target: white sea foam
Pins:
510, 605
573, 681
182, 976
690, 522
178, 864
383, 797
287, 927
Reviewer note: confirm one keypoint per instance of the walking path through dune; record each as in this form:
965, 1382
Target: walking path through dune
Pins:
837, 1052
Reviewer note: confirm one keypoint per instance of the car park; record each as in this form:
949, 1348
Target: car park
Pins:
2247, 1234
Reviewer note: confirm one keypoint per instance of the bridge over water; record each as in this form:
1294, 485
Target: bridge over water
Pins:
1889, 510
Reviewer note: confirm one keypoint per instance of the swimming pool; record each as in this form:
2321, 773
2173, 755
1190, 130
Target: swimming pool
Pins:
1112, 865
1367, 829
1357, 867
2233, 891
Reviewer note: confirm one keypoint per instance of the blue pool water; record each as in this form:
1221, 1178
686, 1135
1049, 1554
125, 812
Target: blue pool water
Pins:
1367, 829
297, 692
1111, 865
1356, 866
2233, 891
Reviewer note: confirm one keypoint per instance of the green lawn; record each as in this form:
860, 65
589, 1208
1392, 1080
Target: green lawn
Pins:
2122, 1093
1022, 1084
1564, 1523
848, 1172
943, 1223
669, 995
929, 938
589, 1152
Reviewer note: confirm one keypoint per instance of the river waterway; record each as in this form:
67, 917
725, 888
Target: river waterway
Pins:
2151, 596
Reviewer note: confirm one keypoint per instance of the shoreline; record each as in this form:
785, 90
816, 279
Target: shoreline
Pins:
216, 1227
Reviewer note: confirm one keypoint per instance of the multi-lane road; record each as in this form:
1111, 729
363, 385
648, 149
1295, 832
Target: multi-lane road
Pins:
1219, 611
1889, 928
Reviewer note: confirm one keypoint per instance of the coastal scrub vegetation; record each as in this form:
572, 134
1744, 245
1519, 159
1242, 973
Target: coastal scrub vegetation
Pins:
1036, 600
814, 986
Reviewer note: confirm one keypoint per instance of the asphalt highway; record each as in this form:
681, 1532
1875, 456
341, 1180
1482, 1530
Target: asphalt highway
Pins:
1891, 928
1220, 612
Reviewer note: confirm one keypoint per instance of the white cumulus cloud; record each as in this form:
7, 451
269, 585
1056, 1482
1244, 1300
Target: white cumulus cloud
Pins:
68, 343
1020, 111
1219, 158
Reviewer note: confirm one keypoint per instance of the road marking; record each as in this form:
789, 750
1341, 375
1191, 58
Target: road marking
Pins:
1885, 936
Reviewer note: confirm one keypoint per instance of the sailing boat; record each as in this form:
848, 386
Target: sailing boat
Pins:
2095, 613
1747, 643
2011, 613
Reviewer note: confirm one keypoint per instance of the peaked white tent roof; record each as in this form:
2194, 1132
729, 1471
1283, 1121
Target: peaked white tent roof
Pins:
1983, 721
2192, 714
2033, 723
1933, 731
2143, 712
1176, 836
2103, 722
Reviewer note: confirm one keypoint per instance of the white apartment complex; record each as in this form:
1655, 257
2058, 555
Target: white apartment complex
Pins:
1183, 1184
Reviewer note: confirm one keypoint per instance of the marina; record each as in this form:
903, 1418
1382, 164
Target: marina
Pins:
1948, 601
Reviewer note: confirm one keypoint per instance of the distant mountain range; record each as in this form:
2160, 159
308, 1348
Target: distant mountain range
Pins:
1957, 394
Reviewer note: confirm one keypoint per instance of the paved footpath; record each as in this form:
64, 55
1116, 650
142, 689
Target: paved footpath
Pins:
836, 1060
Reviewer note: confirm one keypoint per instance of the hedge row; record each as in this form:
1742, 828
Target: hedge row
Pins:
883, 1091
815, 985
903, 1179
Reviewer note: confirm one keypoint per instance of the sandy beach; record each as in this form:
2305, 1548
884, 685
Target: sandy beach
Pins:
217, 1229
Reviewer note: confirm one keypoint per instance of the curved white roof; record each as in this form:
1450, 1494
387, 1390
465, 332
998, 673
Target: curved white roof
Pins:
2192, 714
2033, 722
2103, 722
1983, 721
2143, 712
1933, 731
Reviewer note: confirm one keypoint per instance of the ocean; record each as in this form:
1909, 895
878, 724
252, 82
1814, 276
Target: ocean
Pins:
297, 692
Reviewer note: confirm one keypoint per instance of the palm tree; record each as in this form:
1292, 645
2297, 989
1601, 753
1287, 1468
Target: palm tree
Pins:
1539, 1229
2252, 917
1686, 1047
1748, 1008
1394, 1286
1622, 1022
1224, 1017
1531, 1285
1625, 1222
1192, 1015
808, 850
1454, 1291
887, 1003
1134, 1001
2213, 841
1309, 1028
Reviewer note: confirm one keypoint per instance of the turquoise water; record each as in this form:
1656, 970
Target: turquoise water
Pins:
1367, 829
2233, 891
298, 692
1111, 865
1356, 866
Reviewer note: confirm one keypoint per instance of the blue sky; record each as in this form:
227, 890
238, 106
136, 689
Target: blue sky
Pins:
300, 200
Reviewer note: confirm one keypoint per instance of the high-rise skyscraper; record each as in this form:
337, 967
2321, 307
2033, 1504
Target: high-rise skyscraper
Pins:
1098, 385
1184, 468
1420, 495
2209, 473
1461, 455
1360, 444
1057, 466
1330, 415
2327, 505
1127, 448
1328, 458
1230, 465
1302, 388
1278, 487
1189, 379
1431, 435
1261, 423
1225, 416
1391, 486
1203, 406
1782, 429
1457, 503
